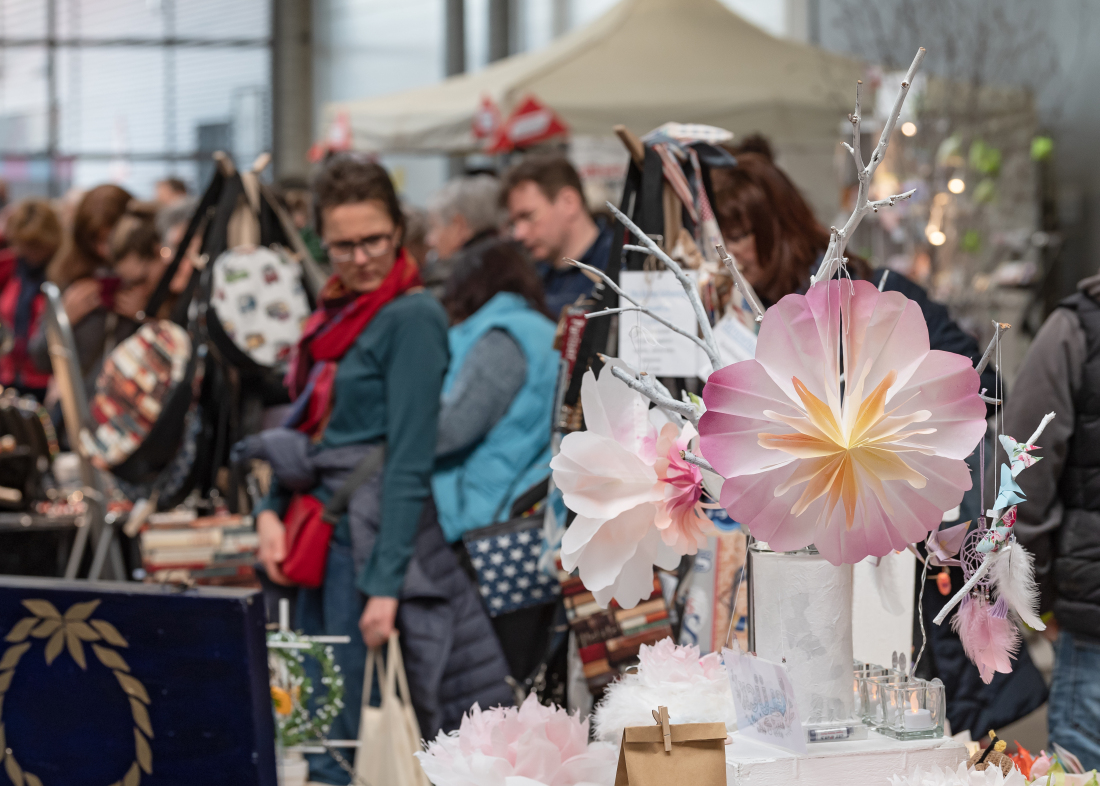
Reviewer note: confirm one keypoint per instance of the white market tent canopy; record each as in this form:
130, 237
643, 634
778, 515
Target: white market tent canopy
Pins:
642, 63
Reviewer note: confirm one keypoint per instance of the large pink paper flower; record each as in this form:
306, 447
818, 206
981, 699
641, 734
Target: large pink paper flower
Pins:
508, 746
860, 466
636, 500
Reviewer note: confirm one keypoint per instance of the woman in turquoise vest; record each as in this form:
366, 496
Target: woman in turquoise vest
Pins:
498, 394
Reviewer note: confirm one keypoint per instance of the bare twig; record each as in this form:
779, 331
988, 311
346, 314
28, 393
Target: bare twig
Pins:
691, 289
645, 385
1001, 327
996, 402
742, 283
636, 307
834, 254
652, 315
698, 461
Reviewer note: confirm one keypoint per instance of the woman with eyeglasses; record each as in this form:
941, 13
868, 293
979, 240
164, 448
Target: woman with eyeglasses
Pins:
367, 376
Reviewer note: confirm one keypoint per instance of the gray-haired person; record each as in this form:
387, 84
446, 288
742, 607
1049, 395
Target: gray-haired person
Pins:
464, 211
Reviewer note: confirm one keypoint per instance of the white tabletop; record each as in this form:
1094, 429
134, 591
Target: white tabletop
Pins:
868, 762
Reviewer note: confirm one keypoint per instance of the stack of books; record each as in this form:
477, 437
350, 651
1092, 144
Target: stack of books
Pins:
180, 547
609, 639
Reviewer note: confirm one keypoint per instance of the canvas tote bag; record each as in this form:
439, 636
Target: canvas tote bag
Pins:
388, 734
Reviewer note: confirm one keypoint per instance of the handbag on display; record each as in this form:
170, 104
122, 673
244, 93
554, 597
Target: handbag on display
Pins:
388, 734
505, 557
258, 306
141, 400
28, 444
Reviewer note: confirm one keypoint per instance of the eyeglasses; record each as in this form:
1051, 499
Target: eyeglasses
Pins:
373, 246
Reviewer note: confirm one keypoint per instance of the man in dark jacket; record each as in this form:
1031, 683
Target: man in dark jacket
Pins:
548, 214
1060, 522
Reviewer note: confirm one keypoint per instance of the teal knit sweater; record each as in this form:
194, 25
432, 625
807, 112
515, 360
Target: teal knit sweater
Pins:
387, 388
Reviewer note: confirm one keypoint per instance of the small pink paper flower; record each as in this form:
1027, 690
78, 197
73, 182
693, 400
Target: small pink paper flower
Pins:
681, 519
857, 466
529, 744
636, 500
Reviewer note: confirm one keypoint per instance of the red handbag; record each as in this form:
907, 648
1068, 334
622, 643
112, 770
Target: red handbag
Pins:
307, 538
310, 522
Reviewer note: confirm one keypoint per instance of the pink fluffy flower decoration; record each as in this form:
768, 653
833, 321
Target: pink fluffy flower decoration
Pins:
509, 746
846, 431
636, 500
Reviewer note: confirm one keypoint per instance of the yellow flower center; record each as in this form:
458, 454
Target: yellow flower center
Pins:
846, 447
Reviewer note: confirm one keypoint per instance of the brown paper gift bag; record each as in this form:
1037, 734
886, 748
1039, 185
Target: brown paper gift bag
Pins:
697, 756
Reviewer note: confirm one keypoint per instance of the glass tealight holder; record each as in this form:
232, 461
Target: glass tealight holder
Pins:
861, 672
872, 694
913, 710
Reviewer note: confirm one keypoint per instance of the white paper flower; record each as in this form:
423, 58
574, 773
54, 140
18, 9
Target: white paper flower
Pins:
633, 511
961, 776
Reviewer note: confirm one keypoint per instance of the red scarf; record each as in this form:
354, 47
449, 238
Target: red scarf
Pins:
330, 331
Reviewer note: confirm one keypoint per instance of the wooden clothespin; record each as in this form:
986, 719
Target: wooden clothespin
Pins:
661, 716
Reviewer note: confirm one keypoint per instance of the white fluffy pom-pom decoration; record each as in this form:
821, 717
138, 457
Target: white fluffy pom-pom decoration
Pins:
695, 690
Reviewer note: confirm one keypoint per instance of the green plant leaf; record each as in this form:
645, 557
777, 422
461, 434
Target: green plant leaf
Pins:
971, 242
1041, 148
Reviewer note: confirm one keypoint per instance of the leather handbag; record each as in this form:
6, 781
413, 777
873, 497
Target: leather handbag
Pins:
309, 523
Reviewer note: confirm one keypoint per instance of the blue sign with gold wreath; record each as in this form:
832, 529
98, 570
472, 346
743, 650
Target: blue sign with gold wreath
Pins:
117, 684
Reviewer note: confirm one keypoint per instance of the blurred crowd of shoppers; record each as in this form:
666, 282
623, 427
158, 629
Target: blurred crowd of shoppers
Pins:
432, 350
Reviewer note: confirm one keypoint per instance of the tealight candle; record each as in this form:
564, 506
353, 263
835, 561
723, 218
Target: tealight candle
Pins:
918, 720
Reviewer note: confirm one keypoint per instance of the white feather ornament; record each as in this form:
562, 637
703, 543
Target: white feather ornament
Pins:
1013, 574
695, 690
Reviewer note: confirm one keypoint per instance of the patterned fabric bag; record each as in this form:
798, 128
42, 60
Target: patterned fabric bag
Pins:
506, 559
141, 400
259, 306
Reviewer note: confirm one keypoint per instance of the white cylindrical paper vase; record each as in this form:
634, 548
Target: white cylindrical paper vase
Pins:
802, 615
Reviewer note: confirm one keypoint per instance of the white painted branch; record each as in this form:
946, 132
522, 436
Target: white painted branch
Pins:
882, 281
742, 283
698, 461
691, 289
652, 315
834, 254
890, 201
644, 384
1000, 328
996, 402
1042, 425
977, 576
603, 277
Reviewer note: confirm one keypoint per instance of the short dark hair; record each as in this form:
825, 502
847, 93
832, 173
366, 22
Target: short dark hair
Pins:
347, 178
551, 173
135, 233
486, 268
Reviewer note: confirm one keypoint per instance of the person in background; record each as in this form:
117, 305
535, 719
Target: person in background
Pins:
367, 375
171, 226
169, 191
778, 243
110, 280
548, 214
296, 195
464, 211
33, 232
498, 393
416, 229
1060, 522
497, 411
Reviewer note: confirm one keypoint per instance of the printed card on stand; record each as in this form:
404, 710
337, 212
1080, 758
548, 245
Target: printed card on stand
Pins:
765, 702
